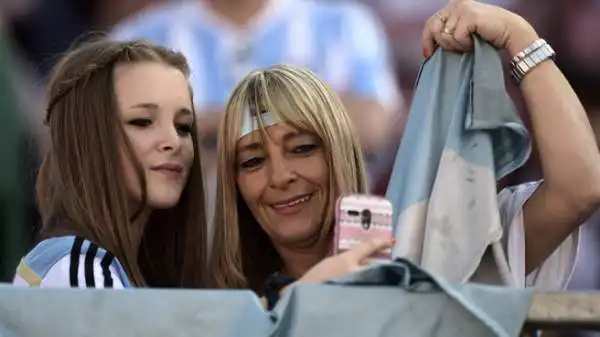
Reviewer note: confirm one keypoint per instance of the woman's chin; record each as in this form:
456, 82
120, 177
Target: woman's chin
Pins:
163, 203
299, 238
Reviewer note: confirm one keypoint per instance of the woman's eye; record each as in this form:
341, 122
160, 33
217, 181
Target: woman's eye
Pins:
304, 149
140, 122
184, 129
252, 163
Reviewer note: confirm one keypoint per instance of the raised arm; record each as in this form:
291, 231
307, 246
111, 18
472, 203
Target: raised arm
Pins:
569, 155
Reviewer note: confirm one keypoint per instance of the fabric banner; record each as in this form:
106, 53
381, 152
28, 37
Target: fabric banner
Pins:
396, 299
462, 135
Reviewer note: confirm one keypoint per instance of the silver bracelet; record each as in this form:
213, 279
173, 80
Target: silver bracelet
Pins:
536, 53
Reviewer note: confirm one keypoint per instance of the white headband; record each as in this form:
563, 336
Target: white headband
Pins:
249, 122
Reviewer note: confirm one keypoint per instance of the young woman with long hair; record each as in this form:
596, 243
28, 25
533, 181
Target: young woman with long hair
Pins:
121, 190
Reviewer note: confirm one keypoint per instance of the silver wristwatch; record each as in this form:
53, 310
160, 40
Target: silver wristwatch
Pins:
536, 53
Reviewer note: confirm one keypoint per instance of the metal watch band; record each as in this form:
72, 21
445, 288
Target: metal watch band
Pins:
536, 53
532, 47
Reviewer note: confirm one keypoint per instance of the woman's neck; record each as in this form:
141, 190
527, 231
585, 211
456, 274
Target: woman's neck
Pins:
297, 261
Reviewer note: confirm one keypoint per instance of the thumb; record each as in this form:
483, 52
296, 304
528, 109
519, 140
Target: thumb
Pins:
369, 247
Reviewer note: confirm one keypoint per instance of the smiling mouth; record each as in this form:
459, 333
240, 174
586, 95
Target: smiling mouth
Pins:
294, 202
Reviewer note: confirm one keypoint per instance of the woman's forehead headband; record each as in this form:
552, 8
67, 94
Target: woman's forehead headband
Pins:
250, 117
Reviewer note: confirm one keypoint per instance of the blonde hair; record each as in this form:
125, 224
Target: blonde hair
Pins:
243, 255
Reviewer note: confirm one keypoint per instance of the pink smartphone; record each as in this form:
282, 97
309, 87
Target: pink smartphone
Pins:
359, 217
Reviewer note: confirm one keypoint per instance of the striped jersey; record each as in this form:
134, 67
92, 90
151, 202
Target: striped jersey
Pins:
70, 261
344, 43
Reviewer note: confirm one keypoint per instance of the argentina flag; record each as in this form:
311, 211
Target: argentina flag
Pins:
462, 135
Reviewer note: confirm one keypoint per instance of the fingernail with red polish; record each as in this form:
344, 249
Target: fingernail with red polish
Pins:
426, 52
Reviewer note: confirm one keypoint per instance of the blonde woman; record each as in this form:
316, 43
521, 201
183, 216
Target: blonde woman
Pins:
279, 177
278, 181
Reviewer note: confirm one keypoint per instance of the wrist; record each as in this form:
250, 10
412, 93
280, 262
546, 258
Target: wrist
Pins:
521, 36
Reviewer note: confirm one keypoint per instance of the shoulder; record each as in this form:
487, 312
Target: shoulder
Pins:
83, 272
70, 261
555, 272
512, 199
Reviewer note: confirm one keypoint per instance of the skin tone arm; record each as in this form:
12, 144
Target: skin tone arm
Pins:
569, 159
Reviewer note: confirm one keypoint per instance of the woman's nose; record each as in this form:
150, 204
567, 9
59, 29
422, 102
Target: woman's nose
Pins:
282, 174
170, 139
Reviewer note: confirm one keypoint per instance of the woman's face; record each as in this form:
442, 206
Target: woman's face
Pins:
284, 181
155, 109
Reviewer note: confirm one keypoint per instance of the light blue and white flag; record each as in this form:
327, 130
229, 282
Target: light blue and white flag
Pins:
462, 135
397, 299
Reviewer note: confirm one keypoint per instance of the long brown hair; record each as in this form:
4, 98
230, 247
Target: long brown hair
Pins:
243, 255
80, 183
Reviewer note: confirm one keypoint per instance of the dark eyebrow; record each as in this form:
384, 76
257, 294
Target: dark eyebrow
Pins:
154, 106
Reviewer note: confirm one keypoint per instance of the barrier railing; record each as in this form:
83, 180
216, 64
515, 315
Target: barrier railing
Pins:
551, 312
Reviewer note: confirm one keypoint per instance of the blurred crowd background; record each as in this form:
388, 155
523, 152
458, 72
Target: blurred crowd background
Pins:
35, 33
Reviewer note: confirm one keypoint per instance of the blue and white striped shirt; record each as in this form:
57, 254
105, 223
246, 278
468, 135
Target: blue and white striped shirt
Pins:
343, 43
70, 261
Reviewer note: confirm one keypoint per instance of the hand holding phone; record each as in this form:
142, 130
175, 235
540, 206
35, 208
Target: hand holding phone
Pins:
360, 217
347, 262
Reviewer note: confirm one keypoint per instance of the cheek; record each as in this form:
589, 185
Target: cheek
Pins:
140, 142
188, 152
316, 170
251, 186
323, 170
131, 177
136, 140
